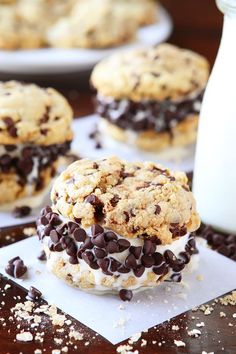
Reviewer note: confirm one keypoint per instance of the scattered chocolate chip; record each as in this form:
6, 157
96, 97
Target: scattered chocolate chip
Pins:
22, 211
169, 257
125, 295
96, 229
42, 256
73, 260
158, 258
88, 257
114, 264
123, 269
123, 244
34, 293
16, 267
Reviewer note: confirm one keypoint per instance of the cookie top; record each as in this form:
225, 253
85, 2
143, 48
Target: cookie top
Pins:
109, 25
30, 114
132, 199
158, 73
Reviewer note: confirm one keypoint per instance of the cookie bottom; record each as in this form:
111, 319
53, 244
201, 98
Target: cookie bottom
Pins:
184, 133
12, 190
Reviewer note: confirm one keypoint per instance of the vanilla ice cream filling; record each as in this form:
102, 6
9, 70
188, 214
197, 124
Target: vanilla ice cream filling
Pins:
101, 282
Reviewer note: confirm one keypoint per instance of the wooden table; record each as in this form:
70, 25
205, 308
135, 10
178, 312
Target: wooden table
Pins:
197, 26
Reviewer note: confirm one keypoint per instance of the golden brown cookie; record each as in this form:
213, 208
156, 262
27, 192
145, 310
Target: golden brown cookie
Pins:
116, 226
35, 132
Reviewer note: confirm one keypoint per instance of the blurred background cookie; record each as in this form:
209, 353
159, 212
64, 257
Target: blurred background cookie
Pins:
151, 98
35, 131
110, 25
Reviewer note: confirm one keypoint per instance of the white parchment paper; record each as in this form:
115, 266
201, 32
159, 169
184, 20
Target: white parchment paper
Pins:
107, 314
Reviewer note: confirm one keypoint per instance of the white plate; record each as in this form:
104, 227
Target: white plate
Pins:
51, 60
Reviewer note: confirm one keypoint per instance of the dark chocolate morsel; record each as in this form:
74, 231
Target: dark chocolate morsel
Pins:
136, 251
147, 261
34, 293
130, 261
96, 229
139, 270
125, 295
123, 244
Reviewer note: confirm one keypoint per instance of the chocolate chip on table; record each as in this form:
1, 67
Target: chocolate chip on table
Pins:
149, 247
99, 253
160, 270
125, 295
124, 245
130, 261
110, 236
22, 211
147, 261
42, 256
34, 293
79, 235
169, 256
112, 247
99, 241
16, 267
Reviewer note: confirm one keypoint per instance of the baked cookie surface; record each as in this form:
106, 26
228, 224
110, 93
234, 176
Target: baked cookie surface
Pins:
132, 199
30, 114
163, 72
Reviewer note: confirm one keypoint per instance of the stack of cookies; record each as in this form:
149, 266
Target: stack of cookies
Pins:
35, 132
116, 226
151, 98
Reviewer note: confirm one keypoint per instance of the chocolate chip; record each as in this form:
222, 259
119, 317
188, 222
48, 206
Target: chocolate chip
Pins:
94, 265
72, 226
99, 253
149, 247
58, 247
34, 293
16, 267
136, 251
87, 243
178, 265
125, 295
169, 256
99, 241
176, 277
22, 211
112, 247
159, 270
96, 229
115, 200
71, 249
42, 256
223, 249
147, 261
110, 236
79, 235
217, 239
139, 270
10, 126
158, 209
185, 256
54, 236
123, 269
123, 244
88, 257
73, 260
130, 261
54, 219
104, 265
97, 204
127, 217
158, 258
47, 230
114, 264
43, 220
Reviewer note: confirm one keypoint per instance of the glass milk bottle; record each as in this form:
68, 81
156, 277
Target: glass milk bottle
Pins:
215, 165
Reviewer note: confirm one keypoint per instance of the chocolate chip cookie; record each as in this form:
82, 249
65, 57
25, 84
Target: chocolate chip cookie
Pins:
151, 98
115, 225
35, 131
